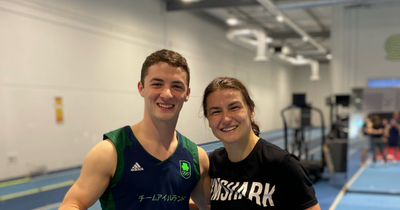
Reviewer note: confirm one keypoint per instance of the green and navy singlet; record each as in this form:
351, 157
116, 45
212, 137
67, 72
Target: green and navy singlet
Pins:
141, 181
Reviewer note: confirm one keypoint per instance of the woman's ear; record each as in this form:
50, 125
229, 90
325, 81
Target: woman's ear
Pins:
252, 113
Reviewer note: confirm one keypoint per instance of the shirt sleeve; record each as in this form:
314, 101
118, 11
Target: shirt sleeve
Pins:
296, 190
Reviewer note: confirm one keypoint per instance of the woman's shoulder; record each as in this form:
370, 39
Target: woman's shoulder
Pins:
272, 152
217, 153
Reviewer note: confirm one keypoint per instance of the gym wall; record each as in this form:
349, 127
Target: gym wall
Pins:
358, 42
89, 53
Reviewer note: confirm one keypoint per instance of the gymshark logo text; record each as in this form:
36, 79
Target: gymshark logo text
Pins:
137, 167
225, 191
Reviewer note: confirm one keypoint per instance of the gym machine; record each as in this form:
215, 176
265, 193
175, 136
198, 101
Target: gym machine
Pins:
314, 167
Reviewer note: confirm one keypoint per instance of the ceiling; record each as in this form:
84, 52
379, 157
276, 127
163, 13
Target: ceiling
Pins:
302, 18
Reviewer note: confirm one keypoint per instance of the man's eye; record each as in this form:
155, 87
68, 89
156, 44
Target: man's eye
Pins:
156, 84
178, 86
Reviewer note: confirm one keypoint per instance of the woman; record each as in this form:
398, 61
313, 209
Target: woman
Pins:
249, 172
376, 130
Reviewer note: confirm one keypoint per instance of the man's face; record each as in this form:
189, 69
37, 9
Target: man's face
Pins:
165, 89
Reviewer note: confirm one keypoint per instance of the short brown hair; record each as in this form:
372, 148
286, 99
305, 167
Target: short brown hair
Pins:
172, 58
221, 83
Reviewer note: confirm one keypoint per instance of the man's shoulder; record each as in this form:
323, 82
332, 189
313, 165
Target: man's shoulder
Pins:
120, 137
187, 143
115, 133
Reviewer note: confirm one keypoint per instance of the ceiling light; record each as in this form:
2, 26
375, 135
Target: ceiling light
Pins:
328, 56
232, 21
286, 50
269, 40
279, 18
305, 39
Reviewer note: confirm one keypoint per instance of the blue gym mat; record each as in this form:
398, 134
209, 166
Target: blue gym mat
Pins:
363, 201
379, 179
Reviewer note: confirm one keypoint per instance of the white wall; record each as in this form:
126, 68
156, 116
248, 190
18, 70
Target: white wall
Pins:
90, 54
358, 38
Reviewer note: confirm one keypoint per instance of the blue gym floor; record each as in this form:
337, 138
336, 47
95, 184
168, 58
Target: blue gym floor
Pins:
363, 187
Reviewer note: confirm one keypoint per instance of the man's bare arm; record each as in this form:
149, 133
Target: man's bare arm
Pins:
97, 171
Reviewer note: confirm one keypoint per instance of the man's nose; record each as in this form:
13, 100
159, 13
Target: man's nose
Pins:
166, 94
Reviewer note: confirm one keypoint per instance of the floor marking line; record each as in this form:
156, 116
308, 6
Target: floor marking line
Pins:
36, 190
50, 206
14, 182
347, 185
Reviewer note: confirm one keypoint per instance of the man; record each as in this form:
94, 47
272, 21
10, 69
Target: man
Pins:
148, 165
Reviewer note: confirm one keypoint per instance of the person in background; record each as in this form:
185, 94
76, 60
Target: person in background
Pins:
366, 146
394, 134
148, 165
249, 172
385, 134
375, 128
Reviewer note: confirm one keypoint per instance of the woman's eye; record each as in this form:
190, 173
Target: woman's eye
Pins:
215, 112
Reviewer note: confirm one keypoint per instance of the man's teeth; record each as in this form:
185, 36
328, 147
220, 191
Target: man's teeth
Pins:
229, 129
165, 106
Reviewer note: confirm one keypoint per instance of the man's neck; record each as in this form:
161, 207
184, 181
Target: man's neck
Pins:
158, 139
158, 130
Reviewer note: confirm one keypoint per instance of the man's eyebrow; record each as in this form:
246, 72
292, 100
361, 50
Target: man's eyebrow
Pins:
178, 82
156, 80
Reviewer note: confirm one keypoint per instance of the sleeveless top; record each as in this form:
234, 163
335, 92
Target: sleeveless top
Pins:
141, 181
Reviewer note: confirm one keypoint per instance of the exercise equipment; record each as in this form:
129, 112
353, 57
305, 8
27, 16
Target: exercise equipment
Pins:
339, 122
337, 139
314, 167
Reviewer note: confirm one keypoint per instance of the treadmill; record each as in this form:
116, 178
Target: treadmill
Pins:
314, 168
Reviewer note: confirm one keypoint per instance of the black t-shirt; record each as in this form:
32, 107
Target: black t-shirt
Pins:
268, 178
376, 127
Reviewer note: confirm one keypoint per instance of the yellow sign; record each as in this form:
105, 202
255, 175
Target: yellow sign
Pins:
59, 110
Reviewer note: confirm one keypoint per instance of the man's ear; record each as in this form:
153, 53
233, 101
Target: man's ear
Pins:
140, 88
187, 95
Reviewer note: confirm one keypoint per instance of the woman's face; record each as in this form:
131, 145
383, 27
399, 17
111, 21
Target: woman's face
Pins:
228, 116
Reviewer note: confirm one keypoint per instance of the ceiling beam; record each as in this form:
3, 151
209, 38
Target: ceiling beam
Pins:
201, 5
316, 19
275, 11
175, 5
290, 35
274, 35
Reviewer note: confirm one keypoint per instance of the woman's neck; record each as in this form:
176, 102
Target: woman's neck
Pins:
240, 150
